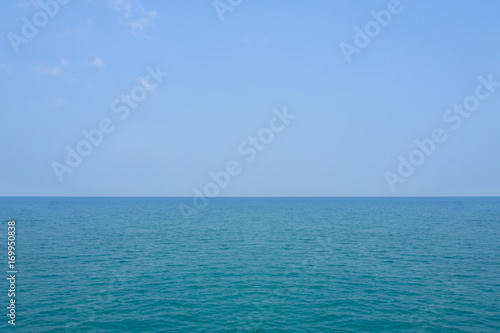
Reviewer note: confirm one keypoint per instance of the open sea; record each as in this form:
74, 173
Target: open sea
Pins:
254, 265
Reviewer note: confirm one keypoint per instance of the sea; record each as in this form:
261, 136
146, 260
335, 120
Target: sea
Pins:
86, 264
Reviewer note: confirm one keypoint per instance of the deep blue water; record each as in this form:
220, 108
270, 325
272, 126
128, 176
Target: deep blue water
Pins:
255, 265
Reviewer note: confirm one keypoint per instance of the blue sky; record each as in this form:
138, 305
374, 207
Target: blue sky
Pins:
226, 81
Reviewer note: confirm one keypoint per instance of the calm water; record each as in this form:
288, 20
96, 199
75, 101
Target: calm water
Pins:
255, 265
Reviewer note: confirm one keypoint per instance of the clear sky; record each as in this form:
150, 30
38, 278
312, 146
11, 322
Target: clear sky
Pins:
359, 100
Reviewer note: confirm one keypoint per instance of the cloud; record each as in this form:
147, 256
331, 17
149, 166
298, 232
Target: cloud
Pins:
27, 4
23, 4
58, 101
138, 17
4, 68
122, 6
48, 70
139, 25
98, 63
52, 70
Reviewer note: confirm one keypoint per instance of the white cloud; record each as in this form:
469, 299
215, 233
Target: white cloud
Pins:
138, 17
122, 6
4, 68
48, 70
138, 27
98, 63
58, 101
53, 70
147, 12
27, 3
23, 4
146, 20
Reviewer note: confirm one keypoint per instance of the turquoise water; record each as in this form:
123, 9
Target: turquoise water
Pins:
255, 265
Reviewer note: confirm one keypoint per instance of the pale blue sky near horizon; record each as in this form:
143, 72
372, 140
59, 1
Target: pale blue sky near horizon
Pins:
225, 78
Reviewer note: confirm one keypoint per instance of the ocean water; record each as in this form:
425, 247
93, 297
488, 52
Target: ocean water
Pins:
255, 265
